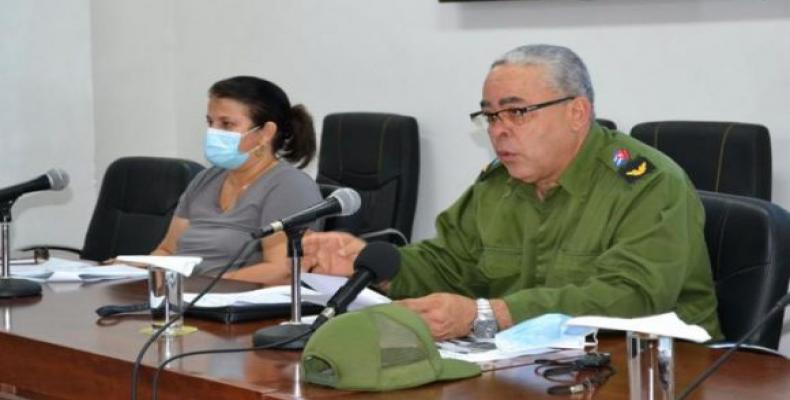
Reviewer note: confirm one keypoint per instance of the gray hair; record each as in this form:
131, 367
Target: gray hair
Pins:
567, 72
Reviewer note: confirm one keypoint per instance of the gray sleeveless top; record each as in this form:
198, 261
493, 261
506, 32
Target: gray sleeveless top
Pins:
216, 235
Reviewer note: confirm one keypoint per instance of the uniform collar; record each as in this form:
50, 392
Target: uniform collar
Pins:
576, 179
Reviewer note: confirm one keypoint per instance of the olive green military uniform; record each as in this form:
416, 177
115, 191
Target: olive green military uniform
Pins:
621, 235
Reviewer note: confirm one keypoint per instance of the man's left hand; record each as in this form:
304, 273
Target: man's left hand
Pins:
447, 315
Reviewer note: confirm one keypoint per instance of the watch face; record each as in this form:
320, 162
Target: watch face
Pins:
485, 329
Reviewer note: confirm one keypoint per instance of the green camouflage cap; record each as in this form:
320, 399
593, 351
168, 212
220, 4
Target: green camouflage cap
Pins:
379, 348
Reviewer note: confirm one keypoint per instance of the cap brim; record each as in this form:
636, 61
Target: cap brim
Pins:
457, 369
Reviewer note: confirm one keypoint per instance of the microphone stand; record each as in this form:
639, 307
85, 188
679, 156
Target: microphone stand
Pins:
11, 287
780, 305
276, 336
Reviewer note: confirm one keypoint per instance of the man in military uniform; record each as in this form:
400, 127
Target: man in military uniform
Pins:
570, 218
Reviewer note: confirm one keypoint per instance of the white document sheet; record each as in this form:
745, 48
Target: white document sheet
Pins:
327, 285
662, 325
63, 270
181, 264
479, 350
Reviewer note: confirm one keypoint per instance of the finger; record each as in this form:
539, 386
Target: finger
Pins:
437, 327
308, 267
347, 244
417, 305
309, 261
342, 245
406, 303
351, 248
315, 241
435, 322
310, 242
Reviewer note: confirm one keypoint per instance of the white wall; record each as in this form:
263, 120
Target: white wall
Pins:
153, 61
679, 59
47, 116
134, 48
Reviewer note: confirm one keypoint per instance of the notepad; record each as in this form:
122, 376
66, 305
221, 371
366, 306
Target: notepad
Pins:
271, 302
270, 295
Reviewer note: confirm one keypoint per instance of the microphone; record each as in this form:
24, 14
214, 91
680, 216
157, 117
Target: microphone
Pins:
780, 305
378, 261
55, 179
341, 202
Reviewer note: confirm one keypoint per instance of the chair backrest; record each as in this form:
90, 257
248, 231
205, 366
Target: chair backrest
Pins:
725, 157
749, 251
136, 202
377, 155
606, 123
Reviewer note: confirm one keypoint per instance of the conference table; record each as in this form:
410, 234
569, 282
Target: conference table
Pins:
55, 347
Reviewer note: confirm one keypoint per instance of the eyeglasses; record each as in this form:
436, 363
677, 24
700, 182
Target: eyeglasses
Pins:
513, 115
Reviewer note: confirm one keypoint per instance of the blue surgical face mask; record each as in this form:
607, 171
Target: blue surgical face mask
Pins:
221, 148
547, 330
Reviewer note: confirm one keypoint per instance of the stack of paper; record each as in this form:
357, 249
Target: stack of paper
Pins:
478, 350
324, 286
62, 270
270, 295
184, 265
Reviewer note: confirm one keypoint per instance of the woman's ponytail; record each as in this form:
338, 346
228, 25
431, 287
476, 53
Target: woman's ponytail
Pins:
296, 143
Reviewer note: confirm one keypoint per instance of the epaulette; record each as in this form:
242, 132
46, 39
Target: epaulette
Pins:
489, 169
626, 162
635, 169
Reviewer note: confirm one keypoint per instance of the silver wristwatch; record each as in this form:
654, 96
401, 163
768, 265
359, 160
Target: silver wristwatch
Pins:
485, 325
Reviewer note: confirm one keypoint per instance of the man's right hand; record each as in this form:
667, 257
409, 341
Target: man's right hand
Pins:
331, 253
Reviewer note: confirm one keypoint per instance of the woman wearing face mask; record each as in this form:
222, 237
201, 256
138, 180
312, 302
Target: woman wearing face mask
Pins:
253, 136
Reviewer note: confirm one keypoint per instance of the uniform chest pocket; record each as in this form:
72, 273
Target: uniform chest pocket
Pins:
571, 268
497, 263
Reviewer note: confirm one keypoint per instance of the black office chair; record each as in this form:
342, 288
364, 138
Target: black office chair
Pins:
726, 157
136, 202
607, 123
749, 251
377, 155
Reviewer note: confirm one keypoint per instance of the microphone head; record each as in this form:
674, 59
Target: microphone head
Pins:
380, 258
348, 199
58, 178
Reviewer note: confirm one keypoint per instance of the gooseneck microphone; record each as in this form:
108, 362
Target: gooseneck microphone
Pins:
780, 305
54, 179
341, 202
377, 262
